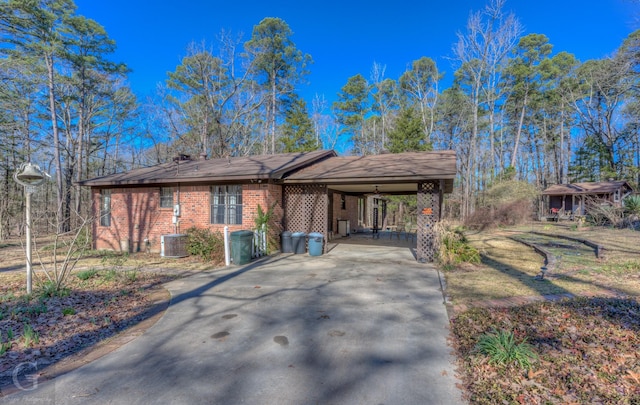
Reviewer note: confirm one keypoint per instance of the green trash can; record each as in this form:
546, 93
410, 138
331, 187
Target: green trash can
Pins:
315, 244
241, 244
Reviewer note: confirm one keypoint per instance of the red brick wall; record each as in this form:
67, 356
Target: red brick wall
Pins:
350, 212
136, 214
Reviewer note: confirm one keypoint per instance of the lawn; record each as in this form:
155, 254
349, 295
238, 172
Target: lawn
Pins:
584, 349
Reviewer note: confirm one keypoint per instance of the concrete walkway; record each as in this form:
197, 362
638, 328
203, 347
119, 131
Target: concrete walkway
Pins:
359, 325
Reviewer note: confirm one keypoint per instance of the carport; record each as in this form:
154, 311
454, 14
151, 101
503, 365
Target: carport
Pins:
308, 193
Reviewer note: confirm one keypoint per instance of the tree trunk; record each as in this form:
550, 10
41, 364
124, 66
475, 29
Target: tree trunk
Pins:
60, 220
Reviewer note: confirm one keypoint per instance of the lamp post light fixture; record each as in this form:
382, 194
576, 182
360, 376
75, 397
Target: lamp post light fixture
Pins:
30, 177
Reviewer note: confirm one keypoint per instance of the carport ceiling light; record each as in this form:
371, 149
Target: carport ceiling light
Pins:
376, 193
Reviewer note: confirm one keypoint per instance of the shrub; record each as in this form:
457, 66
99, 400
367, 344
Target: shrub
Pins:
504, 214
207, 245
632, 210
51, 289
453, 247
505, 203
502, 349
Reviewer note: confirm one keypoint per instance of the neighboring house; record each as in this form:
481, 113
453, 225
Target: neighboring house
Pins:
569, 200
309, 192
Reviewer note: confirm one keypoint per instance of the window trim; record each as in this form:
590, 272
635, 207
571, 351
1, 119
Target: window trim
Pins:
105, 207
170, 206
231, 204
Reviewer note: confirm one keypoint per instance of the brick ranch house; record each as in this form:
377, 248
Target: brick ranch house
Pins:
309, 192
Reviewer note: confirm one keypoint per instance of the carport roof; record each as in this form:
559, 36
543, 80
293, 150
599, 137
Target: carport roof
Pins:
397, 172
400, 172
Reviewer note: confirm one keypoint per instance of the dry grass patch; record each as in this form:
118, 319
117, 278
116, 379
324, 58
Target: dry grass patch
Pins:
508, 268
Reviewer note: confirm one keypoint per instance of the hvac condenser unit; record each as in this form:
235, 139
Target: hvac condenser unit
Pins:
173, 245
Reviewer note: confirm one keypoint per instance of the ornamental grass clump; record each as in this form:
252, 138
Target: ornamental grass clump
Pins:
501, 348
453, 246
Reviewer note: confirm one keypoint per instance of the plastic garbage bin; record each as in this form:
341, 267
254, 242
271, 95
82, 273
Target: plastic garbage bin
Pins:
287, 244
241, 243
299, 245
315, 244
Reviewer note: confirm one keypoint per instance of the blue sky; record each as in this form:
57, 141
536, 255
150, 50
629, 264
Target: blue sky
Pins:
346, 37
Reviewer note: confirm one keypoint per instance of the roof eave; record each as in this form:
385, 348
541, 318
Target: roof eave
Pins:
174, 180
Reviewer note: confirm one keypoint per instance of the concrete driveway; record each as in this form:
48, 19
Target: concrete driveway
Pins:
359, 325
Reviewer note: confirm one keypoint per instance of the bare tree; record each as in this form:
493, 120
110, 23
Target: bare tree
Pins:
481, 51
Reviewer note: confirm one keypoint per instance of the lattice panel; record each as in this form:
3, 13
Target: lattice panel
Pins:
428, 216
306, 208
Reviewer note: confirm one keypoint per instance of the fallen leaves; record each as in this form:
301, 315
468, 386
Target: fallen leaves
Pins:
93, 310
587, 348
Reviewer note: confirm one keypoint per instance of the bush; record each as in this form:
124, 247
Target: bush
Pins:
453, 247
505, 214
207, 245
506, 203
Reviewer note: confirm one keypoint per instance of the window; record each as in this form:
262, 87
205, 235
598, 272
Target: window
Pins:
343, 202
166, 197
105, 207
616, 196
226, 205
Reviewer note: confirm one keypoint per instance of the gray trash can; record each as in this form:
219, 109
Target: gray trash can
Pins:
315, 244
299, 242
241, 243
287, 243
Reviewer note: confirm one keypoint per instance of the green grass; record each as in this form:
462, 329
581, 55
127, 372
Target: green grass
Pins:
501, 348
87, 274
68, 311
109, 275
30, 310
4, 347
30, 336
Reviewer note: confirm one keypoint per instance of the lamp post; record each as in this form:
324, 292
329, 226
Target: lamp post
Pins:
30, 176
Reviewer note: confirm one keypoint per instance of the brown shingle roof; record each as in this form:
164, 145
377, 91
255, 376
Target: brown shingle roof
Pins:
405, 167
602, 187
310, 167
421, 165
232, 169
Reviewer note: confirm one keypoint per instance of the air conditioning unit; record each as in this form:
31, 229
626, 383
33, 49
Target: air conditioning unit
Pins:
173, 245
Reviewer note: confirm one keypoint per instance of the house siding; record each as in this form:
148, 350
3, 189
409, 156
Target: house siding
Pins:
136, 215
